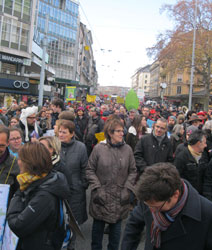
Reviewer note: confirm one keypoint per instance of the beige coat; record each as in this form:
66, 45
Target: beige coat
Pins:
111, 173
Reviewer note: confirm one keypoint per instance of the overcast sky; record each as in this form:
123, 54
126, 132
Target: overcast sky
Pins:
122, 30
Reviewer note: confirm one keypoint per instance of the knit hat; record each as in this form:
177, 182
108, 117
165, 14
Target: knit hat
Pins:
173, 118
23, 118
80, 108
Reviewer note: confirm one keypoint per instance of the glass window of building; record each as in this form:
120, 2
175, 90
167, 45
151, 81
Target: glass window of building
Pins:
17, 8
6, 28
15, 35
8, 6
1, 5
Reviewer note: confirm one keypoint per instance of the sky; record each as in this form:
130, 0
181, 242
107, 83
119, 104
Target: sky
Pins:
121, 31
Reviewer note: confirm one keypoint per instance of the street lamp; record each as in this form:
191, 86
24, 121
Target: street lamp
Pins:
193, 58
163, 86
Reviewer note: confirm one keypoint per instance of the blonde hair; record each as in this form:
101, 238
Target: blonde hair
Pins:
53, 142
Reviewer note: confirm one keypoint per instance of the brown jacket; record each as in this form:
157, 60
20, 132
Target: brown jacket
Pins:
111, 173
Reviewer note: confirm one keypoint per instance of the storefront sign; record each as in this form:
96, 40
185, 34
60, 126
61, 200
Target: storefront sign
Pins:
11, 59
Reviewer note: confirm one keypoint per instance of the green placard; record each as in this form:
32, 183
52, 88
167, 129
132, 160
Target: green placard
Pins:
70, 93
131, 100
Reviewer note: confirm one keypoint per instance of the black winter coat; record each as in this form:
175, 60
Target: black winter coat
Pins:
73, 160
81, 124
131, 140
33, 214
148, 151
190, 170
191, 229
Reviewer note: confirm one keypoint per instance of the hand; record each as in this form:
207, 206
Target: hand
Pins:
99, 196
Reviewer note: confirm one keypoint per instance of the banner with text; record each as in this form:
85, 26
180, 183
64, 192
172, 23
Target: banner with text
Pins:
70, 93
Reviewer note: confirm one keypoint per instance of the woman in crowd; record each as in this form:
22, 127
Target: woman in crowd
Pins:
177, 136
136, 131
53, 144
15, 140
81, 121
14, 122
73, 163
111, 172
34, 209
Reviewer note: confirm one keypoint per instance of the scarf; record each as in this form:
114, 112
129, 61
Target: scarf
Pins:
55, 159
195, 154
159, 138
4, 156
162, 220
26, 179
117, 145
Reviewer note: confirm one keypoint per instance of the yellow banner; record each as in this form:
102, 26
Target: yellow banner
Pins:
91, 98
119, 99
100, 136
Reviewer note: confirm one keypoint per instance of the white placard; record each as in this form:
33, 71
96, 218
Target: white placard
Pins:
10, 240
4, 194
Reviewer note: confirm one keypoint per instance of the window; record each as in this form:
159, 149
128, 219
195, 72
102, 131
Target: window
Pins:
179, 78
178, 89
17, 8
8, 7
26, 12
145, 81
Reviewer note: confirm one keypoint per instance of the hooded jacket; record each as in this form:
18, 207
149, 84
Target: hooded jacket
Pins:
33, 213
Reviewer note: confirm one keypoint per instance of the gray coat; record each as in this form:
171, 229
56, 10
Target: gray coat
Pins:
73, 163
111, 172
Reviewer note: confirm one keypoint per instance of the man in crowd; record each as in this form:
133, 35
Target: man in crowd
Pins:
95, 125
145, 112
171, 123
154, 147
190, 163
131, 117
57, 106
8, 163
28, 124
175, 215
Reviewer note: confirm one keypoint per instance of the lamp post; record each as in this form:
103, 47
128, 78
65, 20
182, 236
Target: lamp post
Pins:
193, 58
163, 85
43, 66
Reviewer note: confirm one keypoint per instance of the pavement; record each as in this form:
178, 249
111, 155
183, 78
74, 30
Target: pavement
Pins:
86, 230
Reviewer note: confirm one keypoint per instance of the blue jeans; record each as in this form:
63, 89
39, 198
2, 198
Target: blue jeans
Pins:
98, 232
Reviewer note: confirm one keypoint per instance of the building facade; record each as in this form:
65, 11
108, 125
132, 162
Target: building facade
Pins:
141, 81
86, 66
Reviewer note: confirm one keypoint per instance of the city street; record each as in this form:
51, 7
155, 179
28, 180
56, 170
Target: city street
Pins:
86, 230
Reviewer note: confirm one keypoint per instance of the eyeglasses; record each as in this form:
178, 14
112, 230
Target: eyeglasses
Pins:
162, 128
119, 131
157, 208
30, 117
15, 139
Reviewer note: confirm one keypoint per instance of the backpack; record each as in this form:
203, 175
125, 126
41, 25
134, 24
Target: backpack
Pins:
63, 233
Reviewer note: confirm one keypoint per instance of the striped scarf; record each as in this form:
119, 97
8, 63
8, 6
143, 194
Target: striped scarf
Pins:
161, 221
26, 179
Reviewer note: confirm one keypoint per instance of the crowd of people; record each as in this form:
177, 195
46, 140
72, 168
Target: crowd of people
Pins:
152, 162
